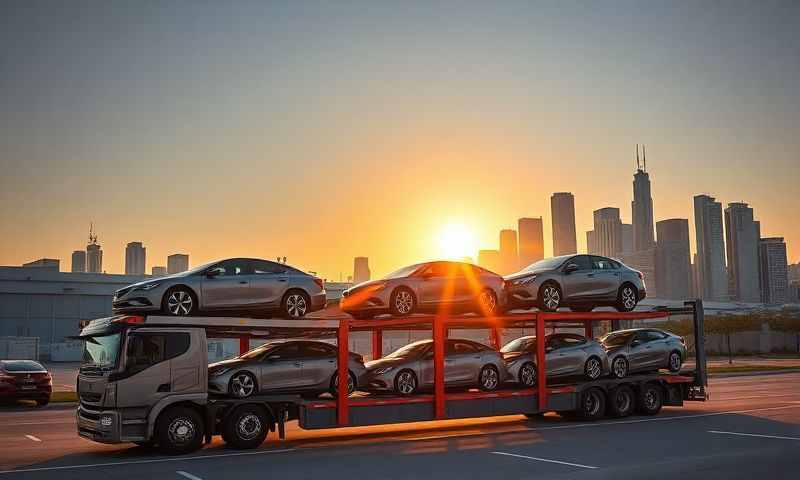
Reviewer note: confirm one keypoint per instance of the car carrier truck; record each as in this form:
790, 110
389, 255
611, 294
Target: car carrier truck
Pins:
144, 379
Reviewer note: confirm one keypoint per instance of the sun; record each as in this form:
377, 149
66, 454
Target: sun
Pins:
456, 241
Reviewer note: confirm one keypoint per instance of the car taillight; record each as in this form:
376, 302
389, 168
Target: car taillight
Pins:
641, 275
319, 282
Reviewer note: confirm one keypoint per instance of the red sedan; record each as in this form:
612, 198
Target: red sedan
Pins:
24, 380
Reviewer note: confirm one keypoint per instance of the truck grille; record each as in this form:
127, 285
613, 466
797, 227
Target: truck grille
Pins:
91, 397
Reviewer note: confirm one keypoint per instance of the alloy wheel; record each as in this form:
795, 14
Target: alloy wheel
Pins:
242, 385
620, 367
551, 297
593, 370
487, 301
674, 361
181, 431
249, 426
650, 399
527, 375
296, 305
403, 302
351, 384
591, 404
628, 298
179, 303
489, 378
406, 383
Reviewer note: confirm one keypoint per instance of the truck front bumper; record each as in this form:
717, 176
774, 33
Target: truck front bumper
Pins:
98, 425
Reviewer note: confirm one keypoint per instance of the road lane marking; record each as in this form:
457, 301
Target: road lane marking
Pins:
188, 475
141, 462
778, 437
543, 460
35, 439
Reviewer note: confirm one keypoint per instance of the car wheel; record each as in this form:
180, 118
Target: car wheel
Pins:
242, 385
549, 297
621, 402
179, 302
351, 384
593, 369
592, 404
487, 302
179, 430
246, 427
489, 378
675, 362
651, 399
405, 383
43, 401
619, 367
527, 375
295, 304
627, 298
402, 302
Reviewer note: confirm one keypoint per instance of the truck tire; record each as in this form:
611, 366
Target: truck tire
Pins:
592, 404
621, 402
651, 399
179, 430
246, 427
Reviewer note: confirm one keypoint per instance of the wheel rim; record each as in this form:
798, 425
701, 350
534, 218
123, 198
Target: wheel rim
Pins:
489, 378
242, 385
591, 404
296, 305
628, 298
249, 426
488, 302
179, 303
181, 431
593, 368
406, 383
620, 368
650, 399
528, 375
551, 297
623, 401
675, 361
351, 384
403, 301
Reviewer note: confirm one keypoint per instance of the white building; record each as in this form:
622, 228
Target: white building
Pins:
78, 261
712, 282
607, 232
135, 255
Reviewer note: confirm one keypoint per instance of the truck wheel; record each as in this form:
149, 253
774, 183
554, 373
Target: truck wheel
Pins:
179, 430
651, 399
246, 427
592, 404
621, 402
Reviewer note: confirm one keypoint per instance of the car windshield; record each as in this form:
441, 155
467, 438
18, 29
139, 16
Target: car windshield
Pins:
616, 339
403, 272
546, 264
21, 366
101, 350
257, 352
410, 350
521, 344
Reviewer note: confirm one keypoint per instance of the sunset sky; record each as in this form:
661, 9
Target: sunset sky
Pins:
324, 131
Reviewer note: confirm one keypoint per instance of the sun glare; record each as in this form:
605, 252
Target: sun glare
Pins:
456, 241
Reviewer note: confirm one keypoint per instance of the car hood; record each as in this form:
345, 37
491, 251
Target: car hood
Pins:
508, 356
231, 363
364, 285
384, 362
527, 273
611, 350
157, 280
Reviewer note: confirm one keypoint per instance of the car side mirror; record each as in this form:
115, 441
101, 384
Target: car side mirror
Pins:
214, 272
273, 357
572, 267
636, 343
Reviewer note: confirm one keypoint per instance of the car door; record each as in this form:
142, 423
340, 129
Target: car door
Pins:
579, 283
281, 368
434, 286
319, 364
229, 287
658, 349
462, 362
572, 354
268, 282
553, 361
640, 354
606, 277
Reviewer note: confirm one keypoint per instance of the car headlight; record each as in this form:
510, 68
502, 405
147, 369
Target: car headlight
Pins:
147, 287
383, 370
217, 373
524, 281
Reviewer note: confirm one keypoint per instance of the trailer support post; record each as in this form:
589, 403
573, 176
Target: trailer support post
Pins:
439, 335
377, 343
540, 368
588, 331
342, 343
244, 344
495, 337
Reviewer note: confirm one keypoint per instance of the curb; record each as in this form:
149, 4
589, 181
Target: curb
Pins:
755, 373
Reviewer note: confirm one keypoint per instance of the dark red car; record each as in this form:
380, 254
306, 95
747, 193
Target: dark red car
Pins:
25, 380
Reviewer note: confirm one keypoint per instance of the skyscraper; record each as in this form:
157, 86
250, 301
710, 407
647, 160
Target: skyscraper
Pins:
742, 242
642, 206
774, 270
79, 261
562, 209
531, 240
591, 243
607, 232
158, 271
177, 263
673, 261
135, 255
509, 255
94, 254
712, 284
627, 238
361, 271
489, 259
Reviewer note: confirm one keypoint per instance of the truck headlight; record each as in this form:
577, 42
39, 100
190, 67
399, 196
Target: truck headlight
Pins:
106, 420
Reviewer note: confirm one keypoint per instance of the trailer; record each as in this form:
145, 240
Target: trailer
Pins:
179, 418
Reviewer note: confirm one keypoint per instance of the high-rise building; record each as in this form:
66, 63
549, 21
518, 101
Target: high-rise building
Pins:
177, 263
135, 255
742, 242
673, 259
531, 240
79, 261
712, 283
642, 205
607, 232
361, 271
509, 255
489, 259
94, 258
591, 243
627, 238
562, 209
52, 263
158, 271
794, 271
645, 262
774, 274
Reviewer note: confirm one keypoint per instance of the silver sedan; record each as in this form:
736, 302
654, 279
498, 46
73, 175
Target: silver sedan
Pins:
643, 349
566, 354
241, 285
410, 368
298, 366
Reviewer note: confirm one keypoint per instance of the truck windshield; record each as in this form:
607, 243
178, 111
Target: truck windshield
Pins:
101, 351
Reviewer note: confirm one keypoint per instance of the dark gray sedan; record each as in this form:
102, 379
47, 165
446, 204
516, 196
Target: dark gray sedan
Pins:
240, 285
297, 366
566, 354
643, 349
410, 368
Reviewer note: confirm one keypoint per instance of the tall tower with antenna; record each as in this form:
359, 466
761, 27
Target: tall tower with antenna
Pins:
642, 205
94, 253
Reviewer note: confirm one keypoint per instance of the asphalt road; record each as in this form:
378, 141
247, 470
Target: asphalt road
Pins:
750, 428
